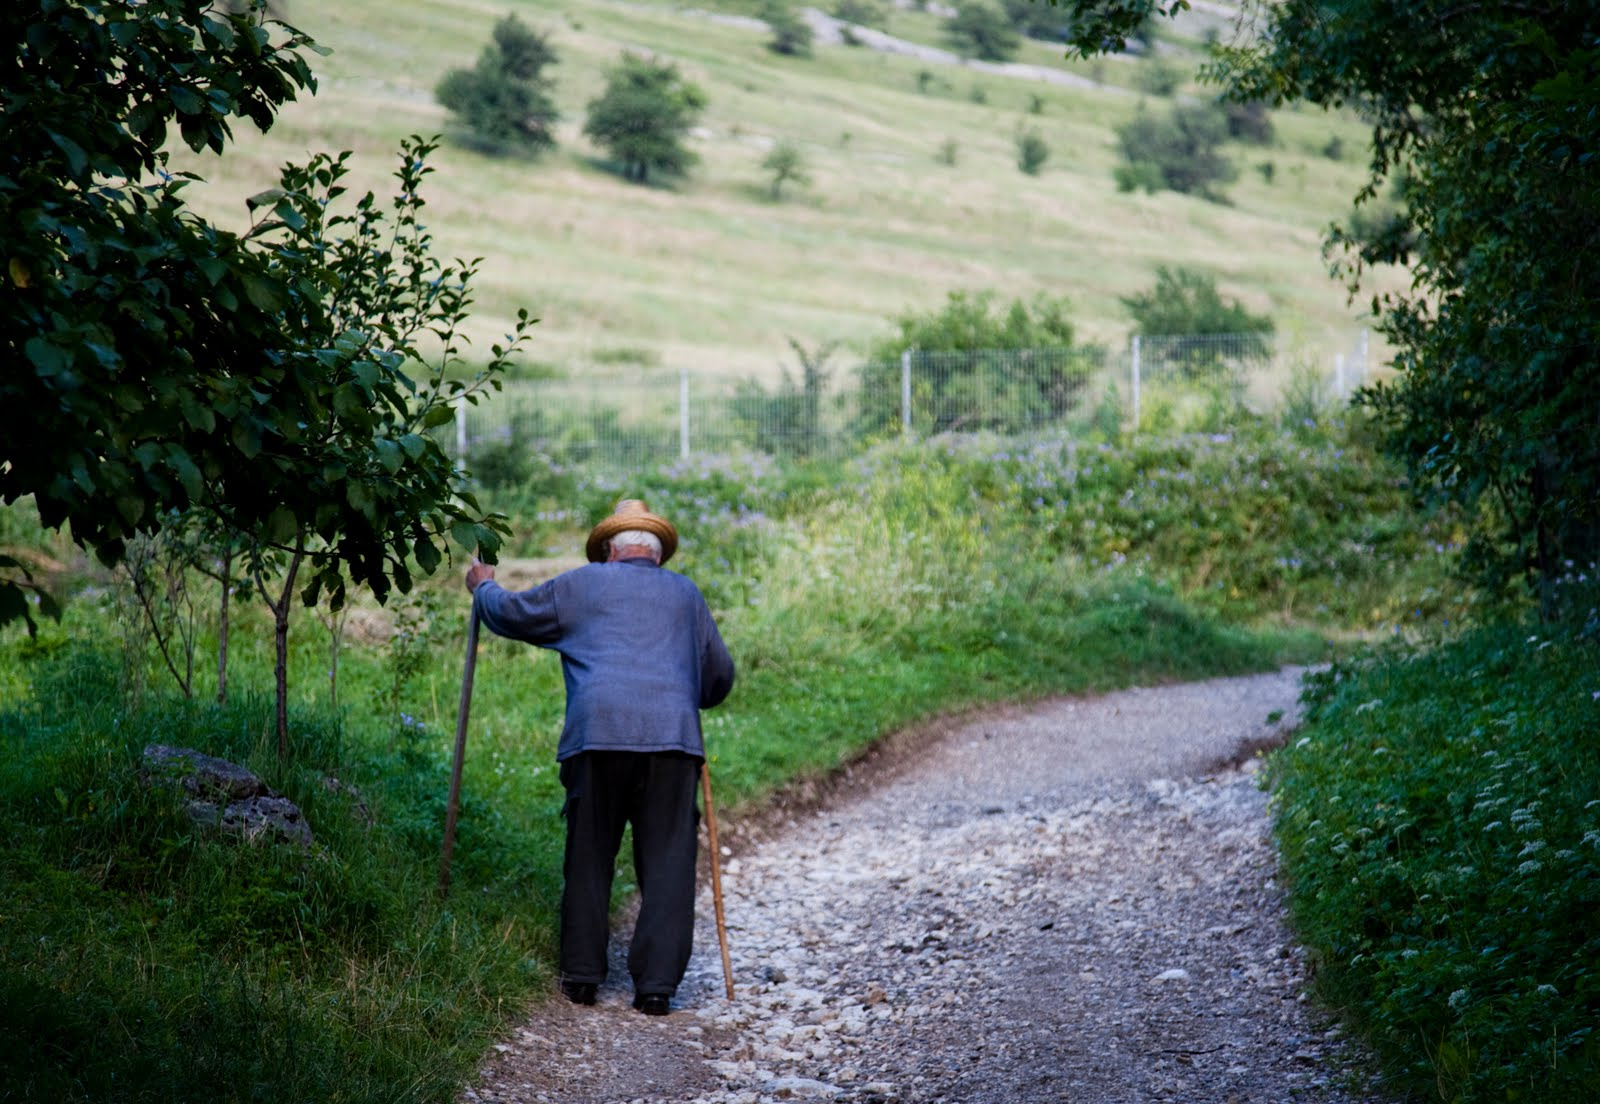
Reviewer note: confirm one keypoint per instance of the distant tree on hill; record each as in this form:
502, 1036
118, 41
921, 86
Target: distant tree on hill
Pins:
863, 13
785, 163
505, 101
1179, 151
643, 116
981, 30
791, 34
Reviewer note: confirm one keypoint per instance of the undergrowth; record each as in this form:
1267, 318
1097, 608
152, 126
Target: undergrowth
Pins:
1439, 819
141, 960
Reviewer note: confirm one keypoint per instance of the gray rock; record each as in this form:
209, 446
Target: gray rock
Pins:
227, 797
202, 775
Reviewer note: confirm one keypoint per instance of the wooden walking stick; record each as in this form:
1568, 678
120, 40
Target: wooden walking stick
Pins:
716, 878
454, 802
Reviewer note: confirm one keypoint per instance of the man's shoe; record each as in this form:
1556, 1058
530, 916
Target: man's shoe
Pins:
652, 1004
579, 992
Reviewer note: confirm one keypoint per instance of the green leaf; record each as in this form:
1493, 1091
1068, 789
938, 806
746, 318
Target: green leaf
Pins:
265, 295
48, 358
268, 198
186, 100
414, 445
427, 554
280, 526
357, 494
390, 455
438, 415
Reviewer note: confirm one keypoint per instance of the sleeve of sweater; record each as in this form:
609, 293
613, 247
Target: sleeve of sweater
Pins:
532, 615
716, 665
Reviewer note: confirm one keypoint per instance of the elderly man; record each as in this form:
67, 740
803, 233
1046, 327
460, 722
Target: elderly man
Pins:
641, 657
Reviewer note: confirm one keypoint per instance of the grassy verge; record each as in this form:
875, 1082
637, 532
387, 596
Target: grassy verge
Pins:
1440, 825
140, 961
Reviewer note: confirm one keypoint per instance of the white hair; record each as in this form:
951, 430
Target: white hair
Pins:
630, 538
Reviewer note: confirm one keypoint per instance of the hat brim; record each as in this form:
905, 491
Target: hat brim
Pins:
621, 523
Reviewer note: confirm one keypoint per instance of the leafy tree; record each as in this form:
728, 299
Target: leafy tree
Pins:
1185, 305
128, 320
1032, 152
980, 29
1181, 148
643, 115
977, 366
269, 380
505, 101
359, 488
791, 34
1488, 113
785, 163
1185, 301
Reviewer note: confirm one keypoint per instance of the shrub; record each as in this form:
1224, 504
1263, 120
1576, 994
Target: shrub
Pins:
1032, 152
791, 34
979, 29
863, 13
505, 102
1158, 77
1249, 122
1183, 146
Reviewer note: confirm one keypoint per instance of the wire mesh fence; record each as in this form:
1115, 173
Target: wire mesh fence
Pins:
658, 417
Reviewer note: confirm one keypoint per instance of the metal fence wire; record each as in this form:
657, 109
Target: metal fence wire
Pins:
658, 417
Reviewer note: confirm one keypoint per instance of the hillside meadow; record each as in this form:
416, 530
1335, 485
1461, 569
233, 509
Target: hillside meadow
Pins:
708, 274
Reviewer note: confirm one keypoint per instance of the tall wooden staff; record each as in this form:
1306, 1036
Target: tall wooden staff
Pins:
454, 802
716, 878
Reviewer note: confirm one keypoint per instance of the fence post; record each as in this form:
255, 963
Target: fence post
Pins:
1363, 364
461, 430
1134, 359
683, 413
905, 391
1339, 387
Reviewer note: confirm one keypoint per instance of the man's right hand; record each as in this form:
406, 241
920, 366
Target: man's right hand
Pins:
477, 572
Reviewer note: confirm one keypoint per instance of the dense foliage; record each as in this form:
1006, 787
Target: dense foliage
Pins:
127, 321
1487, 115
284, 382
505, 101
1441, 835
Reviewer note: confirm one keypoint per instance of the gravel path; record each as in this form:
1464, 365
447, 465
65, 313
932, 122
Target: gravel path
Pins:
1071, 902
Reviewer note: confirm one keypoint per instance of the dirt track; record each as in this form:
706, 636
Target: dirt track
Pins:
1072, 902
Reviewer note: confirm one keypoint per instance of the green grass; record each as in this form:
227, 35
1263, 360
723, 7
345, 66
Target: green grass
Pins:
858, 597
712, 276
1440, 826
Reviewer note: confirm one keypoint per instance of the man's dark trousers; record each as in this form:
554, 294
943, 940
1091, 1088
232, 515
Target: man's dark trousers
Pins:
654, 792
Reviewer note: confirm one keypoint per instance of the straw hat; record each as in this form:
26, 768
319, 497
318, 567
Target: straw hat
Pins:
631, 513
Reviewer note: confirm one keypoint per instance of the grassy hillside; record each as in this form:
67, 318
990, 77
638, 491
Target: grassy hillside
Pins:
710, 274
